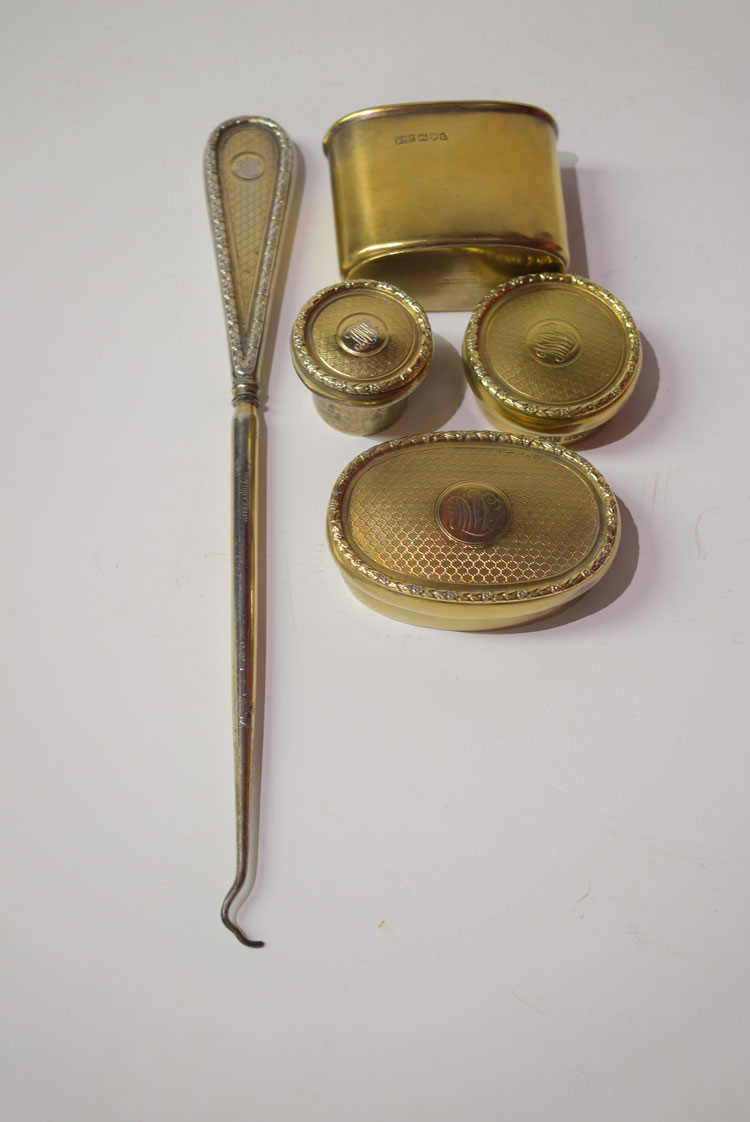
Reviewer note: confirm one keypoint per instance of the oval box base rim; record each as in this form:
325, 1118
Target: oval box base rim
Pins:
478, 617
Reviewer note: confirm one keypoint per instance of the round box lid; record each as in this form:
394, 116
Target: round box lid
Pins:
363, 341
552, 354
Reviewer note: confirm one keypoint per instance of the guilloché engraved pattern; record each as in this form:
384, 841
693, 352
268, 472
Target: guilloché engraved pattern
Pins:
593, 391
247, 194
325, 365
580, 538
391, 523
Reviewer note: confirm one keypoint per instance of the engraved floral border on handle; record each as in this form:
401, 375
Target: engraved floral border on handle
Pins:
245, 357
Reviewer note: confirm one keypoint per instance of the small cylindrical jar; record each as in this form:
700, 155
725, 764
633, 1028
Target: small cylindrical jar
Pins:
361, 347
552, 356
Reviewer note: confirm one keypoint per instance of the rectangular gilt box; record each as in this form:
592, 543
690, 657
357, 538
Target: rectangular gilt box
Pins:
447, 200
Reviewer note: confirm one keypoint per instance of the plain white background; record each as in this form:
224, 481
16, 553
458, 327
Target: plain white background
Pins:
503, 876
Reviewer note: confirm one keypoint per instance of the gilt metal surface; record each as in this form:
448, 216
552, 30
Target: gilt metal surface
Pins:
551, 355
471, 530
361, 347
248, 169
447, 199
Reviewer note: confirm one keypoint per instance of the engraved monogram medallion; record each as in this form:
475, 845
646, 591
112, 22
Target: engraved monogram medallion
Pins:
473, 513
554, 342
364, 334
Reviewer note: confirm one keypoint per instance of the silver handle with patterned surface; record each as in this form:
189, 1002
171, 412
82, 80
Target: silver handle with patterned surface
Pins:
248, 165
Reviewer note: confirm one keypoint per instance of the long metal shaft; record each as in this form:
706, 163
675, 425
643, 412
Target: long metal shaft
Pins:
244, 659
248, 179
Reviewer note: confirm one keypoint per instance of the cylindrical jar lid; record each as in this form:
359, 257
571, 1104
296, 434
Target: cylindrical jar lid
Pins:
552, 354
361, 342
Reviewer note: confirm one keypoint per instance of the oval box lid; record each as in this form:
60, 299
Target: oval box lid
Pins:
471, 530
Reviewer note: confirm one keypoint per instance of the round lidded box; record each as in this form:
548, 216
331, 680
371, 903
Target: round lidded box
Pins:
551, 355
361, 347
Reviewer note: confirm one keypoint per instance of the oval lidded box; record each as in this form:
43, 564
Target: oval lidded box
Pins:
471, 531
